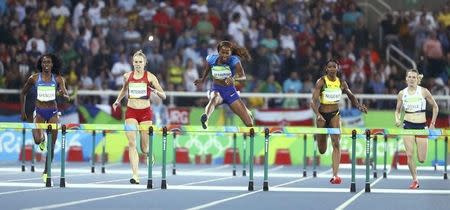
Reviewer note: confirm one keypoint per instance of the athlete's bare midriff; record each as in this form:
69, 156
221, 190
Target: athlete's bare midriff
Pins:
221, 82
326, 108
415, 117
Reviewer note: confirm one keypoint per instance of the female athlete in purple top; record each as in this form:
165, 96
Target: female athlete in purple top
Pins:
48, 84
225, 68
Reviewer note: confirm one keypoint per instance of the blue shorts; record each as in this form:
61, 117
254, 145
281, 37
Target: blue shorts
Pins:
46, 113
414, 126
229, 94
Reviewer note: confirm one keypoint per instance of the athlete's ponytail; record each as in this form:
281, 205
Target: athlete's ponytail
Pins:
242, 52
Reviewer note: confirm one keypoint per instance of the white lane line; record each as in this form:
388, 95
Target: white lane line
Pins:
202, 182
208, 169
27, 190
40, 178
399, 167
189, 186
60, 205
353, 198
54, 206
12, 173
277, 168
206, 205
408, 191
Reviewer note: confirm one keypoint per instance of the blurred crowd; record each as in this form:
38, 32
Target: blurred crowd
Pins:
289, 40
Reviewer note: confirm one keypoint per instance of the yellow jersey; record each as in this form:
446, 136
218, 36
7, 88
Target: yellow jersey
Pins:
331, 92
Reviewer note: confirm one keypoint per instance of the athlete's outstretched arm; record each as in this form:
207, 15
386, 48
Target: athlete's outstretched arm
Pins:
122, 91
353, 99
30, 82
315, 101
62, 88
205, 73
398, 109
431, 100
240, 75
157, 87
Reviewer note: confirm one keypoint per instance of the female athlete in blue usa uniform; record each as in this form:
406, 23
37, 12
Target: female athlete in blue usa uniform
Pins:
48, 84
225, 68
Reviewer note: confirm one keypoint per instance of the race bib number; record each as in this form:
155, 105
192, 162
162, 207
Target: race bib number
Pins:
413, 104
46, 93
221, 72
137, 90
332, 94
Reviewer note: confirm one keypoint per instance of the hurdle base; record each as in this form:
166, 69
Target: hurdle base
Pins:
352, 187
234, 172
23, 168
32, 168
244, 173
314, 174
103, 169
304, 173
266, 186
149, 184
384, 175
250, 186
445, 176
48, 182
174, 171
62, 182
163, 184
92, 169
367, 188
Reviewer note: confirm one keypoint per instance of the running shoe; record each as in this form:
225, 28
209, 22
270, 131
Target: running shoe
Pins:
44, 178
134, 180
42, 145
335, 180
414, 185
203, 119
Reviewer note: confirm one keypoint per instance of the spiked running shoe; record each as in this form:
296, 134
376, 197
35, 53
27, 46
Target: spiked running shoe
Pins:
414, 185
134, 180
203, 119
44, 178
42, 145
335, 180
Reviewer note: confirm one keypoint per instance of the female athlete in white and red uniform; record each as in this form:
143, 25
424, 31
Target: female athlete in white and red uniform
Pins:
139, 84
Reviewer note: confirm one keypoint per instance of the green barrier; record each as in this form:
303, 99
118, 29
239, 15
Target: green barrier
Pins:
93, 153
367, 187
244, 155
251, 160
164, 148
48, 160
353, 182
150, 159
23, 150
266, 160
62, 181
234, 154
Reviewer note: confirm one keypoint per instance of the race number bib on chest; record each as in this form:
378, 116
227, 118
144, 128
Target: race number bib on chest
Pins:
413, 104
332, 94
137, 90
46, 93
221, 72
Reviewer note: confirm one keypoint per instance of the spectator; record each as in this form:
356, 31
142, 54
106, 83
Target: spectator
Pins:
119, 68
190, 75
